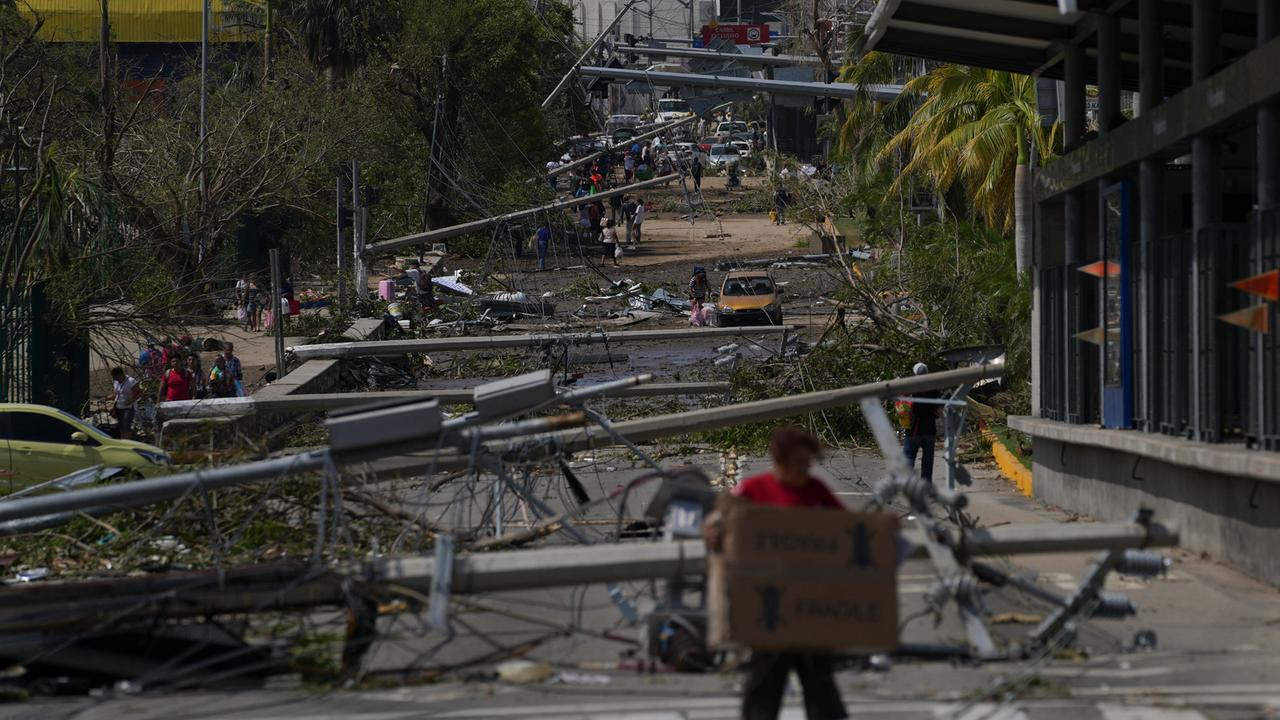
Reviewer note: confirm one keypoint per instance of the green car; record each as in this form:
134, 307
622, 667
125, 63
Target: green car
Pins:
40, 443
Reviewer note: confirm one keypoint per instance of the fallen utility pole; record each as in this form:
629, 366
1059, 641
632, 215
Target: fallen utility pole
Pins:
172, 487
560, 170
437, 235
590, 49
844, 91
702, 54
262, 588
318, 402
659, 426
384, 348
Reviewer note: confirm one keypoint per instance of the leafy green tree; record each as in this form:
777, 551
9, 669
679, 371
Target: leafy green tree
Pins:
978, 127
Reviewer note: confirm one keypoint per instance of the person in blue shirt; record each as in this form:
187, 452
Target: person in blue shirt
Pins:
544, 241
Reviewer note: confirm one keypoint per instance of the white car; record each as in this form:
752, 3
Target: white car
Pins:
744, 147
723, 155
672, 109
686, 152
729, 128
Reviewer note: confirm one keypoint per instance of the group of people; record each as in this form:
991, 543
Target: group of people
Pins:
182, 377
252, 297
185, 379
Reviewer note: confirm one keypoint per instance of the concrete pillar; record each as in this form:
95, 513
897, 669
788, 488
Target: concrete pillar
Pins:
1268, 191
1268, 117
1109, 115
1073, 97
1206, 198
1150, 220
1150, 55
1074, 232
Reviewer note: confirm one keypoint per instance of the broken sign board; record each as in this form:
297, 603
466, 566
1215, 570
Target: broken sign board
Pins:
796, 580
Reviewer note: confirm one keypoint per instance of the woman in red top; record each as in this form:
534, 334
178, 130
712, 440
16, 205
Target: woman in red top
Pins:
175, 383
788, 485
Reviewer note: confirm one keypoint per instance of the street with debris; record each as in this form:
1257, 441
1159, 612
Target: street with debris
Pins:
664, 360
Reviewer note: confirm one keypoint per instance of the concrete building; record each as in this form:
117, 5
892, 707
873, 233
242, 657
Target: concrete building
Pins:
1143, 395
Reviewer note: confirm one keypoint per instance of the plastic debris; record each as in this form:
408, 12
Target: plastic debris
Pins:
581, 678
38, 573
523, 672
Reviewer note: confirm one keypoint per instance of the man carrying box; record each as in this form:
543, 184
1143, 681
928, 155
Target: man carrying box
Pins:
789, 485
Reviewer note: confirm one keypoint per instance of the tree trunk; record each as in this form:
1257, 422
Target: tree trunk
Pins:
1022, 216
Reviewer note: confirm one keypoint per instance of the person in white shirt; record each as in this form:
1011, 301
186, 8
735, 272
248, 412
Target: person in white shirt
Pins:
637, 221
124, 402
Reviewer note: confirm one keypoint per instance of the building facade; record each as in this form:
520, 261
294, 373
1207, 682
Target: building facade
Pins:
1155, 380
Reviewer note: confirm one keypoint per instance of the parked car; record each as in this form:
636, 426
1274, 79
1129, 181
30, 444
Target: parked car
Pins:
726, 130
723, 155
671, 109
40, 443
684, 153
706, 143
749, 297
744, 148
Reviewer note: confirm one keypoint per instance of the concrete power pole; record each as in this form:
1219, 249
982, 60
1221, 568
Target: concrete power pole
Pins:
342, 248
358, 229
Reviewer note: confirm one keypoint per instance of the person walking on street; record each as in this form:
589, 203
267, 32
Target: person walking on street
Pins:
595, 218
234, 372
637, 222
628, 214
199, 383
789, 484
610, 239
780, 200
615, 208
697, 174
544, 242
124, 401
175, 383
220, 383
922, 432
628, 167
698, 286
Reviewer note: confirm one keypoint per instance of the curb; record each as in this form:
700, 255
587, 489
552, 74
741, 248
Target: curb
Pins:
1010, 467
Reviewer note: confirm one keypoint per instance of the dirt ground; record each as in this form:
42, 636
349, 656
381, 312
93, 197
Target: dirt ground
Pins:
669, 249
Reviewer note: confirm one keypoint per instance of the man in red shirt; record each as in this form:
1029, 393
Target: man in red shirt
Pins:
789, 484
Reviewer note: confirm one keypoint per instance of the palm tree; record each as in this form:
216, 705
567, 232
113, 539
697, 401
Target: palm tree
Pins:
978, 127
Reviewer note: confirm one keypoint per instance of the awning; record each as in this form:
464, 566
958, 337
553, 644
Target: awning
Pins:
1028, 36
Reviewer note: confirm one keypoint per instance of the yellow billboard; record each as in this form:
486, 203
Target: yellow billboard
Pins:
145, 21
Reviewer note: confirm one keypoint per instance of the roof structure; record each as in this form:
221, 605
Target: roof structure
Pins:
1028, 36
143, 21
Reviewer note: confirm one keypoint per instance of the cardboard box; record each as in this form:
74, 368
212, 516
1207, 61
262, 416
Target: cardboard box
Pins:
804, 580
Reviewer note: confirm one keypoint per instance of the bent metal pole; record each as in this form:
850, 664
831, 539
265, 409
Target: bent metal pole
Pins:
445, 233
393, 348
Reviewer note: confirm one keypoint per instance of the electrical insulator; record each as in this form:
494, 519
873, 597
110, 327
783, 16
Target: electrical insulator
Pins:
1143, 564
1114, 606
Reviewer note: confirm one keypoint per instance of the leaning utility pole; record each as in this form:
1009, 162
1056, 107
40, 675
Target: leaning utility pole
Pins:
590, 49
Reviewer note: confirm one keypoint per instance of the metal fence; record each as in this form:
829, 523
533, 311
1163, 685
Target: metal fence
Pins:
15, 351
1194, 376
1263, 387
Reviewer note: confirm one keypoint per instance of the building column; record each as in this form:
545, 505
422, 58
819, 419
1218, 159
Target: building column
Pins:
1109, 115
1074, 234
1206, 209
1268, 203
1150, 220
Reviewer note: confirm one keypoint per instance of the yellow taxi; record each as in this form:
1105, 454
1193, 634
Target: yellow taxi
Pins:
40, 443
749, 297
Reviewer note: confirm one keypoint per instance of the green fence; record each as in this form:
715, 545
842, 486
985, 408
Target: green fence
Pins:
40, 362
